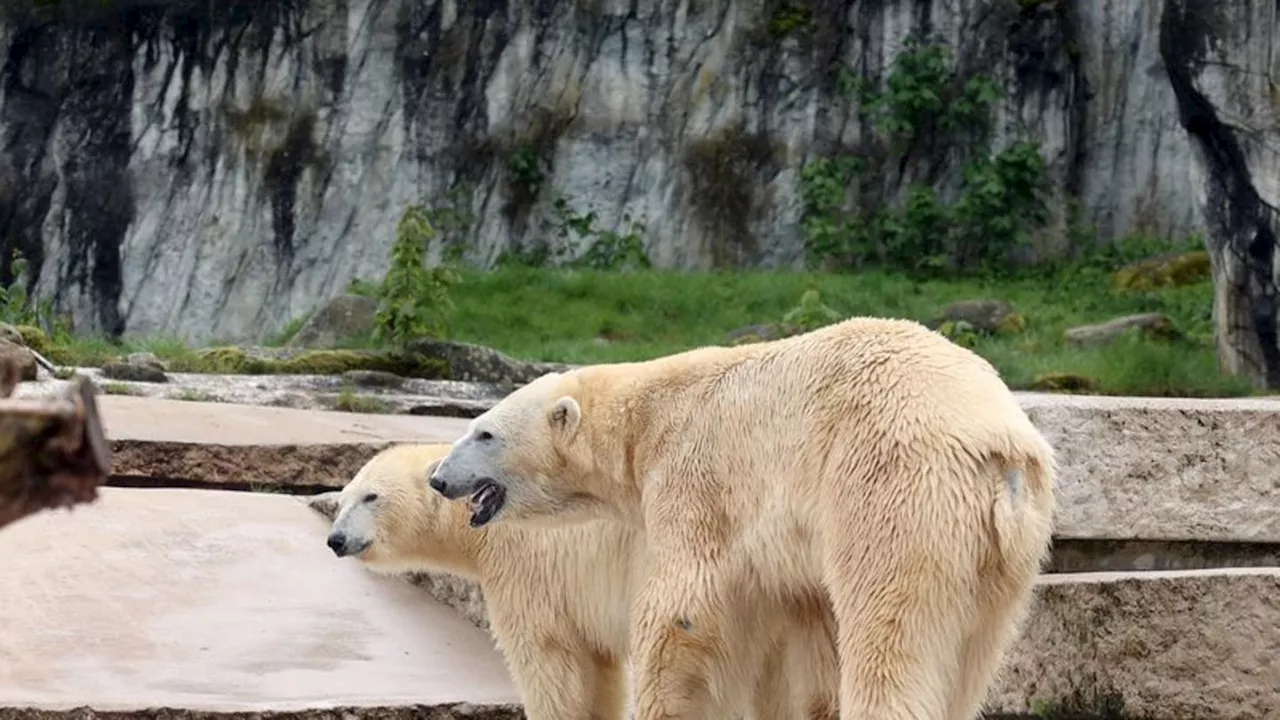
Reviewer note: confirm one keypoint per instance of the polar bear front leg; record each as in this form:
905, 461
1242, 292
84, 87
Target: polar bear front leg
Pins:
679, 643
556, 683
686, 619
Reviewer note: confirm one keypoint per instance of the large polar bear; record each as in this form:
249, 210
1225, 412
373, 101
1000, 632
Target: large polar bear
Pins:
557, 598
872, 459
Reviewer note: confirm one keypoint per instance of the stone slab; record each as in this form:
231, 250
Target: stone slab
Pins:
219, 601
1190, 644
243, 445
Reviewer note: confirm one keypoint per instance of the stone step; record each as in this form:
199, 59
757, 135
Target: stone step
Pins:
1199, 644
1206, 471
213, 601
1164, 468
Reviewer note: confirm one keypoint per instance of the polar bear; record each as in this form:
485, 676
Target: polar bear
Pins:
871, 459
557, 598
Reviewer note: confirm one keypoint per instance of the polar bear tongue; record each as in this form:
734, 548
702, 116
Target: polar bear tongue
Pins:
486, 502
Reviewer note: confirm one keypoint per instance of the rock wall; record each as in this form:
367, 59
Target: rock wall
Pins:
212, 170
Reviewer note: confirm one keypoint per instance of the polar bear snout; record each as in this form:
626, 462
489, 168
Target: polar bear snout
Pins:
451, 491
343, 545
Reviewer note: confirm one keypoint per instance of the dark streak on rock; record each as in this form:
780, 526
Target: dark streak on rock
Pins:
68, 80
1241, 225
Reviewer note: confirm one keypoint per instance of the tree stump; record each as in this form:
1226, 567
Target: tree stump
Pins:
53, 451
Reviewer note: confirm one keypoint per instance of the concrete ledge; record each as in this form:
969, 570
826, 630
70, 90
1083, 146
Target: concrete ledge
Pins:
237, 446
1131, 468
295, 468
1180, 644
1164, 469
220, 602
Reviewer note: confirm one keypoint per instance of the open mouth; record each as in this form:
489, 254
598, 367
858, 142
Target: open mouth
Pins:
486, 502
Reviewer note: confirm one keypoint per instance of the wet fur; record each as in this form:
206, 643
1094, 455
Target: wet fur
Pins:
871, 464
557, 597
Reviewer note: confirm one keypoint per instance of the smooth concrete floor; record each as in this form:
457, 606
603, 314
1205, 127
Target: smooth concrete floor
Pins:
215, 600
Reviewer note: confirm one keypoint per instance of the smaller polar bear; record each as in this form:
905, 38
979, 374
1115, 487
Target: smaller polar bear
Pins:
872, 461
557, 598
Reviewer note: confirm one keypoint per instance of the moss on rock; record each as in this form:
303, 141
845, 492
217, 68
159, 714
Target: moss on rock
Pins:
1163, 271
236, 361
1012, 324
34, 338
1063, 382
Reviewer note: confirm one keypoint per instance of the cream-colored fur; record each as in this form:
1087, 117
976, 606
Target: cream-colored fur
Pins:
872, 463
557, 598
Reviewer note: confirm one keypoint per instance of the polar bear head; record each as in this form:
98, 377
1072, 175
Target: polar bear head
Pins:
525, 458
386, 516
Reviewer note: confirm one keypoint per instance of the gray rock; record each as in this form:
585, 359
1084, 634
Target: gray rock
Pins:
148, 359
476, 363
133, 373
373, 379
984, 315
343, 317
1156, 326
450, 407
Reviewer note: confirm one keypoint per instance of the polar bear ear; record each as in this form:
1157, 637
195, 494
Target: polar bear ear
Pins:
565, 415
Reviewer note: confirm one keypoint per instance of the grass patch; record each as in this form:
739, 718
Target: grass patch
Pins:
119, 388
349, 401
584, 316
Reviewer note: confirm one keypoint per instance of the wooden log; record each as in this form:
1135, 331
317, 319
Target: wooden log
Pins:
53, 451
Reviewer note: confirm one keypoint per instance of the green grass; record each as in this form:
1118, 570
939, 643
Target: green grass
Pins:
583, 316
536, 314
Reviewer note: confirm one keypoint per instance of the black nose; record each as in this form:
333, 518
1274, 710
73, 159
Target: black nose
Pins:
438, 485
337, 542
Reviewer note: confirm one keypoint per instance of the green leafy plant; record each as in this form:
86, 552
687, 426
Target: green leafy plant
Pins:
608, 249
413, 300
811, 313
924, 100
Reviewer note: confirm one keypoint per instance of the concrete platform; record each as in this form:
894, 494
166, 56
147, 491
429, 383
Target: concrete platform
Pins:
220, 601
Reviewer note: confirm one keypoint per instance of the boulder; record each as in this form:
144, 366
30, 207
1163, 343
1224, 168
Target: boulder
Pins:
984, 315
1154, 326
133, 372
343, 317
137, 367
476, 363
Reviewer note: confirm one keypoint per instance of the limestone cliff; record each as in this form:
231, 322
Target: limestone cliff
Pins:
213, 169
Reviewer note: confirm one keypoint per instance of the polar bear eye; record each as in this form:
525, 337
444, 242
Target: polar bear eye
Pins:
370, 497
484, 435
